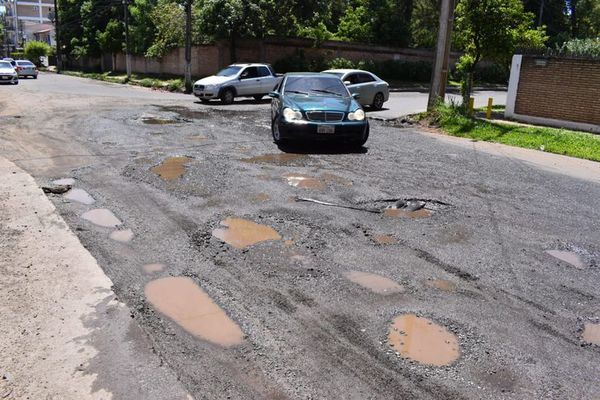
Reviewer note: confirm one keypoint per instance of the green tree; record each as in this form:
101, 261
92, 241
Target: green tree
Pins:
141, 26
492, 29
355, 24
391, 21
424, 23
111, 39
169, 19
33, 50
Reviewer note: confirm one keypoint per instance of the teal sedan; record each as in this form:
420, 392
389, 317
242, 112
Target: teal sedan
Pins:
316, 107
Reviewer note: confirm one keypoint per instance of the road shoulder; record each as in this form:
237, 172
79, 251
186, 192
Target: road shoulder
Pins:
64, 335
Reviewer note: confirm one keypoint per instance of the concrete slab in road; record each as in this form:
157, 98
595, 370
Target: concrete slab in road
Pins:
405, 103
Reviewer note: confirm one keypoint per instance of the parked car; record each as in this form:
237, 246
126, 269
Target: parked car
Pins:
372, 90
8, 73
313, 106
26, 68
11, 61
237, 80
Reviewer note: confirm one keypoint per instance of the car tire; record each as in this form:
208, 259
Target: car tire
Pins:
204, 101
227, 96
361, 142
258, 97
276, 133
378, 101
16, 82
34, 76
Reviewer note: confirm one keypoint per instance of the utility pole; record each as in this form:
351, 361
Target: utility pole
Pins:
188, 46
439, 76
57, 37
127, 55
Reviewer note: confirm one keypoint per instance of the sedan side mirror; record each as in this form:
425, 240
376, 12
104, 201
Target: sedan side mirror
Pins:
355, 96
274, 95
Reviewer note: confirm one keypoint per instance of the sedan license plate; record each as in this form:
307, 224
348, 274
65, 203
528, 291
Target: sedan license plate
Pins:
326, 129
5, 77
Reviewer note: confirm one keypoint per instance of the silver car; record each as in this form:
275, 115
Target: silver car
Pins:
8, 73
26, 68
372, 90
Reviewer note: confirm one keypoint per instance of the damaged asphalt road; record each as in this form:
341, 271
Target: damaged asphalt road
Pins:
305, 300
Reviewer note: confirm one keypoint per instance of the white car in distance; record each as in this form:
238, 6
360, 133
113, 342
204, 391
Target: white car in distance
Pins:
237, 80
372, 90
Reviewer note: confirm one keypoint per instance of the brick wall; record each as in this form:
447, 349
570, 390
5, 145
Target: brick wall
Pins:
207, 59
559, 89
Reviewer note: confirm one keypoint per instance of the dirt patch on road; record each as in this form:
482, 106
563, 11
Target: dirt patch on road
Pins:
171, 168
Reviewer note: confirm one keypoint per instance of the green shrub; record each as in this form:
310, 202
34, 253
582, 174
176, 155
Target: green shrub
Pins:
581, 48
341, 63
17, 55
34, 50
146, 82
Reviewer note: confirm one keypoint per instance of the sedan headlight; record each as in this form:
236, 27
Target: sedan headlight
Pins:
357, 115
291, 115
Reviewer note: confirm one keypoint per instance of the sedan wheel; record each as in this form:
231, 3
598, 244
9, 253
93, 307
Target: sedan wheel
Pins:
275, 132
378, 101
227, 96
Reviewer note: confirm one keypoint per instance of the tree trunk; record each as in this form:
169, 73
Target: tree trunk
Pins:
114, 62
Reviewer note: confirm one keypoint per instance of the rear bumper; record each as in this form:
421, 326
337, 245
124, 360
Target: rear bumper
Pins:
25, 74
305, 130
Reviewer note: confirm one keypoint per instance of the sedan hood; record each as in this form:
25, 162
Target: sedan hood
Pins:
7, 70
215, 80
321, 103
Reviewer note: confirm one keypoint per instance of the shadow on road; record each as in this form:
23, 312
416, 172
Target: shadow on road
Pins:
322, 148
266, 100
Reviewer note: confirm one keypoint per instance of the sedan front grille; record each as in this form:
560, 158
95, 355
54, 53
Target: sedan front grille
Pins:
199, 87
325, 116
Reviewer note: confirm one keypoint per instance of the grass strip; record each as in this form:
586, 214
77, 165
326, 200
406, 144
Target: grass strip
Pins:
169, 84
559, 141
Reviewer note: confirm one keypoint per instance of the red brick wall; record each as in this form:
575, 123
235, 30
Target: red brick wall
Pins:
562, 89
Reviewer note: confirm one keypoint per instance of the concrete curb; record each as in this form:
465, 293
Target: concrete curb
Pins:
64, 335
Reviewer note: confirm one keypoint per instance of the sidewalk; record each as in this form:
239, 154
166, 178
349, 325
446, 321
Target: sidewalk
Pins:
64, 335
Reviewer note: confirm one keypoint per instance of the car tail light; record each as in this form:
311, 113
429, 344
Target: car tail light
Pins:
19, 68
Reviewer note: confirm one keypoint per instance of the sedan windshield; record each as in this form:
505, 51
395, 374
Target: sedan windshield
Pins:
5, 64
324, 85
229, 71
25, 63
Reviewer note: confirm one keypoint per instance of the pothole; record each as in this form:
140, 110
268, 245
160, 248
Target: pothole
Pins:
260, 197
304, 181
79, 196
241, 233
422, 340
102, 217
185, 112
385, 239
375, 283
171, 168
184, 302
442, 284
591, 333
123, 236
153, 268
277, 158
150, 119
569, 257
